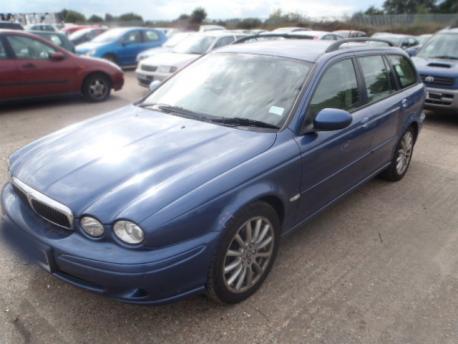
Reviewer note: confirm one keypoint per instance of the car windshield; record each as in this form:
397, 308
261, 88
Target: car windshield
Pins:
79, 34
109, 36
235, 86
195, 44
175, 39
443, 46
422, 39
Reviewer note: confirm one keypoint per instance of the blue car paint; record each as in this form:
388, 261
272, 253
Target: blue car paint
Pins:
182, 180
125, 55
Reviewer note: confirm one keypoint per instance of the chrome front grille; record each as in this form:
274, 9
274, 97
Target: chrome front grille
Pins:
45, 207
437, 81
147, 68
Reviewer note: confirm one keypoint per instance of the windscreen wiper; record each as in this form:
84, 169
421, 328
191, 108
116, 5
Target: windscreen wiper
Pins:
174, 110
244, 122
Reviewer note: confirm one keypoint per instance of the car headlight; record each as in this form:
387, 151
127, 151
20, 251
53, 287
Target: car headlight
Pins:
173, 69
92, 226
128, 232
91, 52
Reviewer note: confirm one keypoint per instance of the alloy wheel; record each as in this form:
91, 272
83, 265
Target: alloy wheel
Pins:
248, 254
404, 152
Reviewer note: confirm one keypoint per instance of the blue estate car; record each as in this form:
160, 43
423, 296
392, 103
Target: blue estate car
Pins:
437, 64
122, 45
190, 189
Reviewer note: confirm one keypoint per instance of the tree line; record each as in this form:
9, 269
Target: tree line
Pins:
412, 7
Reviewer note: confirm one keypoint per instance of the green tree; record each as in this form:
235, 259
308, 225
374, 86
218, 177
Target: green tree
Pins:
95, 19
249, 23
130, 17
372, 11
448, 6
409, 6
70, 16
198, 16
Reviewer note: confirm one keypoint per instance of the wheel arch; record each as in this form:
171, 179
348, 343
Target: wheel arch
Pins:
95, 72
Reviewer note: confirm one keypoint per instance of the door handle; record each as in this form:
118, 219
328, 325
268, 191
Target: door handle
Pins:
28, 65
404, 103
365, 122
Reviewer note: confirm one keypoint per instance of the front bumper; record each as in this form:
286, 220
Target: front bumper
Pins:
145, 78
441, 99
129, 275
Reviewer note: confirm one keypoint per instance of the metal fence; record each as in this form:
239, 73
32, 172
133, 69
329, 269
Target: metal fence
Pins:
406, 19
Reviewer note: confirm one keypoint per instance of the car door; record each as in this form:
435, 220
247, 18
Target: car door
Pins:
334, 161
37, 73
382, 108
131, 45
8, 73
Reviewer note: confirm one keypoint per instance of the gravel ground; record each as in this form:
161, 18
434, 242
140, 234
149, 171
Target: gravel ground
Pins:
381, 266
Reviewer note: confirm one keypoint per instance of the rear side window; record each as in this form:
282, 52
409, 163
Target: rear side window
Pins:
28, 48
224, 41
404, 70
151, 36
3, 55
338, 89
56, 40
377, 77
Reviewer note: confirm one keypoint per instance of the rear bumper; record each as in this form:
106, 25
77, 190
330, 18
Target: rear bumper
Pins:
441, 99
133, 276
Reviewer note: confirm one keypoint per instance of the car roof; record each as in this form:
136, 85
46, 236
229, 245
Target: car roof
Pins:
306, 50
313, 33
449, 30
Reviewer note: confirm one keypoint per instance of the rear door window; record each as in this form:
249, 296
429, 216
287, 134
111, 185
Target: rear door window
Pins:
404, 70
224, 41
132, 37
29, 48
151, 36
3, 55
377, 77
338, 88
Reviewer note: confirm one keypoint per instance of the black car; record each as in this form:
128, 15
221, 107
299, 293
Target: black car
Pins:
10, 25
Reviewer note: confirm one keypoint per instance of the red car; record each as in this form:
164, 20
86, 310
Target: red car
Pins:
31, 66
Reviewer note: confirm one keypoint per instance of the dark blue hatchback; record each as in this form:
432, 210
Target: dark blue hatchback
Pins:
189, 190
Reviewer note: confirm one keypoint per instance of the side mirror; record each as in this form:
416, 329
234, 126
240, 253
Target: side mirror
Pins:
154, 85
332, 119
57, 56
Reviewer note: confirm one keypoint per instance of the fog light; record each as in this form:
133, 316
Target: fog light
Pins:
92, 226
128, 232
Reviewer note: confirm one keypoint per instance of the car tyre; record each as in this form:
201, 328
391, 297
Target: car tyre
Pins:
97, 87
245, 254
401, 158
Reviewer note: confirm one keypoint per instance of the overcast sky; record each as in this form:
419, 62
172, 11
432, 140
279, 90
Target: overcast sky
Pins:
171, 9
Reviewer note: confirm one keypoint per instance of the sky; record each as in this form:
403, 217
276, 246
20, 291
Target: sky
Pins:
171, 9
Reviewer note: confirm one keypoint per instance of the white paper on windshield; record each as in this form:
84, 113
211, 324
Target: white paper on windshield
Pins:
276, 110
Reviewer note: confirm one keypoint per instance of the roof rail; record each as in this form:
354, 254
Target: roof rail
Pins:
335, 46
273, 35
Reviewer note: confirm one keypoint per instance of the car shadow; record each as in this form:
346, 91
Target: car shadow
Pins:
442, 118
